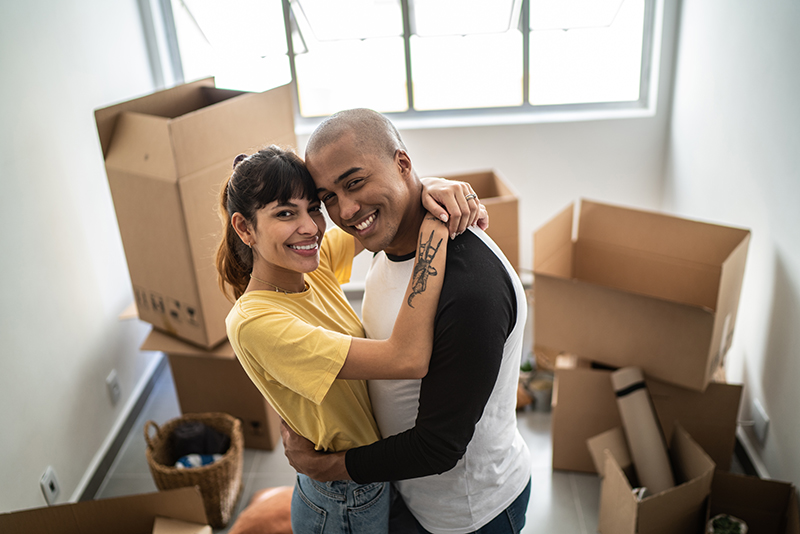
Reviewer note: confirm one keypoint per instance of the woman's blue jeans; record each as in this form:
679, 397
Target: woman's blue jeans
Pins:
342, 506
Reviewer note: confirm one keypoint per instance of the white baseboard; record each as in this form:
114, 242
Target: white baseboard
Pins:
747, 443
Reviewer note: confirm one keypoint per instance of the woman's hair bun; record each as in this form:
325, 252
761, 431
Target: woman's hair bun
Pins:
238, 159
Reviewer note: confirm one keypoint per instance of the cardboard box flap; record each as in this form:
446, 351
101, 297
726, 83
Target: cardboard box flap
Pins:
710, 417
142, 145
616, 494
223, 130
612, 441
683, 238
159, 341
122, 515
652, 275
727, 306
689, 460
552, 245
167, 103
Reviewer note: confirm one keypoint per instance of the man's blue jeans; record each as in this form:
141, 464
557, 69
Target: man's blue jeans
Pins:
342, 506
509, 521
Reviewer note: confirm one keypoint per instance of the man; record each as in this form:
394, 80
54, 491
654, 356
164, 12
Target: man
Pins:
460, 464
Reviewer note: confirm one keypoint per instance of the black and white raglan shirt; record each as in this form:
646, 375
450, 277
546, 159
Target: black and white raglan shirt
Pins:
453, 445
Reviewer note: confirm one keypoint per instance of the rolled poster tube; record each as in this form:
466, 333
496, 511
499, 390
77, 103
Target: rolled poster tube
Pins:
645, 439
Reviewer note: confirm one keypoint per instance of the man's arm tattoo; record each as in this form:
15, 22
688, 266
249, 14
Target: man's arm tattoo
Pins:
423, 269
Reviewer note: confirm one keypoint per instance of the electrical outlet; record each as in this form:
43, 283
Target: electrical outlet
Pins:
760, 421
49, 485
112, 383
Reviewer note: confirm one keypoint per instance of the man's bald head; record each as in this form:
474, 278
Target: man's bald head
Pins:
372, 133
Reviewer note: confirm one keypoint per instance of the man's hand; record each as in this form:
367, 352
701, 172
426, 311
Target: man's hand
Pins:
321, 466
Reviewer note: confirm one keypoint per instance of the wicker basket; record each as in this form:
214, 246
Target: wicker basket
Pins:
220, 483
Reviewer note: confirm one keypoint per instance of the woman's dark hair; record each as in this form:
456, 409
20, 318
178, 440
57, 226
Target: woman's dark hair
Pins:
268, 175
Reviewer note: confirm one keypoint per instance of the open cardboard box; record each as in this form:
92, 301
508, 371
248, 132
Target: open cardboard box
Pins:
214, 381
681, 509
166, 155
585, 405
502, 205
122, 515
637, 288
767, 506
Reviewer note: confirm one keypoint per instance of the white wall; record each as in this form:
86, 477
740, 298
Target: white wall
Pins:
734, 157
63, 271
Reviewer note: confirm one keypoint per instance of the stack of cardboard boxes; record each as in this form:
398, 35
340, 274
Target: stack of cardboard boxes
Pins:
618, 287
166, 156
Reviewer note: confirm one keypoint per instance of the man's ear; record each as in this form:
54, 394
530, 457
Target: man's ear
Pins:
403, 162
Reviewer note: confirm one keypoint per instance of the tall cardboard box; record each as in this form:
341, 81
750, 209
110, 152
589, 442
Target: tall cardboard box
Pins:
214, 381
502, 205
166, 155
638, 288
135, 514
585, 405
681, 509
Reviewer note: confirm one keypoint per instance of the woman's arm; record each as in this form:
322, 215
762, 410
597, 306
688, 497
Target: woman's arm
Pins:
455, 203
407, 352
447, 199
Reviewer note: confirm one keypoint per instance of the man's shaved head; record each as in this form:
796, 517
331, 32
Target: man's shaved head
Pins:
373, 133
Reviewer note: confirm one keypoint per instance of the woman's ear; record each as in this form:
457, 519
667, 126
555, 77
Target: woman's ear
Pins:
242, 228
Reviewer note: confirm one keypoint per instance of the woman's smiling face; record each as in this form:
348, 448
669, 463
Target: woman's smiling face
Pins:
287, 236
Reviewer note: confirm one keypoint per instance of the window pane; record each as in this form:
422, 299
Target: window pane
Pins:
338, 75
349, 19
583, 65
462, 17
472, 71
243, 52
570, 14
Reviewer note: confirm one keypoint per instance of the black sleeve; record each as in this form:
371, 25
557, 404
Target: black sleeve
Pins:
476, 313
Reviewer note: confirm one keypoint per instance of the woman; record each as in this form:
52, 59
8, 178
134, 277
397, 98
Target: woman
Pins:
295, 333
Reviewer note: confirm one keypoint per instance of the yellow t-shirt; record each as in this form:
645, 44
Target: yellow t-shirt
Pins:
294, 345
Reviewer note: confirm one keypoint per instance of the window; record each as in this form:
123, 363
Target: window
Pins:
427, 59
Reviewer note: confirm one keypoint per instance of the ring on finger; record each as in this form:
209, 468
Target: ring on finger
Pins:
470, 196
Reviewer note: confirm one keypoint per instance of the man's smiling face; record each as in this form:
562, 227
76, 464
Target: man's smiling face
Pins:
365, 194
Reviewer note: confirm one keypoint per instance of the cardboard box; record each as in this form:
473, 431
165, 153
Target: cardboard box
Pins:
214, 381
681, 509
123, 515
767, 506
585, 405
502, 204
636, 288
166, 155
163, 525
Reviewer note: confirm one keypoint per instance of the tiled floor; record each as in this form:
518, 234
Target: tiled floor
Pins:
561, 502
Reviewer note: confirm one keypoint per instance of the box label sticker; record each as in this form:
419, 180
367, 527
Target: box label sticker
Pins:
173, 311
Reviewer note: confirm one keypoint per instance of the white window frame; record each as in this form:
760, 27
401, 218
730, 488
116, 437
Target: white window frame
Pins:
523, 114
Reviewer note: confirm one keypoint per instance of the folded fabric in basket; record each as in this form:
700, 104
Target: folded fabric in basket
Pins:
195, 437
196, 460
